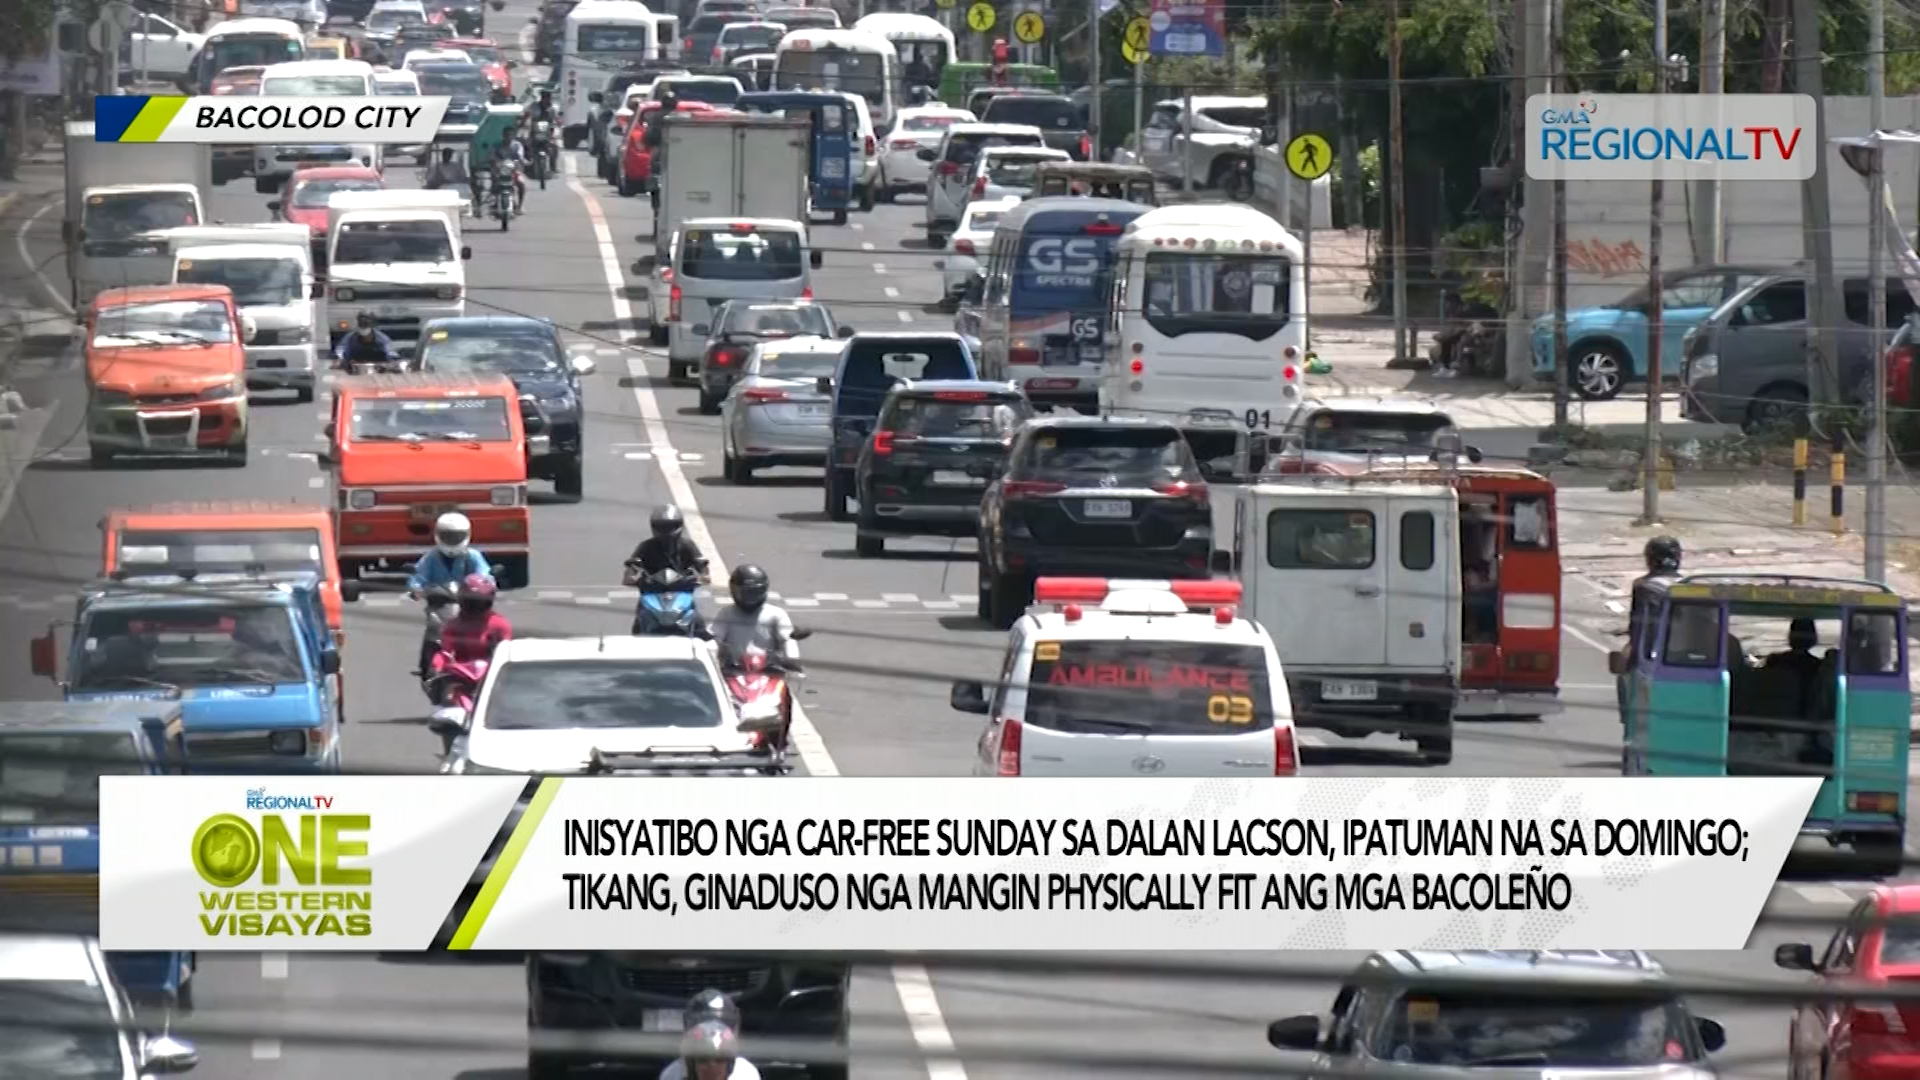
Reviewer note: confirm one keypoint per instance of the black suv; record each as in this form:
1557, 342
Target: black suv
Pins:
935, 448
1090, 496
1060, 120
531, 353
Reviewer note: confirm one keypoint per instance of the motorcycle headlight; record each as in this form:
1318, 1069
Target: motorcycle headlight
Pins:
504, 496
360, 499
232, 388
112, 397
448, 292
288, 742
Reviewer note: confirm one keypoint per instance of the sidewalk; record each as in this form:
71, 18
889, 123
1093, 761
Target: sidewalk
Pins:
30, 327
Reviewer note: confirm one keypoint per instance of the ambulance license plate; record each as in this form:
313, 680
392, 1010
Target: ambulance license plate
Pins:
1349, 690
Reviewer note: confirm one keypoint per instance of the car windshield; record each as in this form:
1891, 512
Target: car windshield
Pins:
602, 694
252, 51
392, 20
1011, 170
54, 778
752, 254
1465, 1029
796, 365
752, 36
1136, 687
464, 419
393, 242
612, 39
313, 194
1045, 113
219, 551
315, 86
935, 122
255, 282
1134, 457
462, 82
117, 216
395, 88
873, 367
805, 20
134, 648
705, 91
1236, 116
955, 415
1343, 432
492, 351
777, 320
75, 1037
173, 322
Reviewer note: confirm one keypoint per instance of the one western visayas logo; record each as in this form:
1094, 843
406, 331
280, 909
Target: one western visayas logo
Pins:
285, 875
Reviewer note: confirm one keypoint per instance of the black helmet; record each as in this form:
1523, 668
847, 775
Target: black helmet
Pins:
667, 522
546, 93
710, 1041
366, 320
749, 586
711, 1006
1663, 555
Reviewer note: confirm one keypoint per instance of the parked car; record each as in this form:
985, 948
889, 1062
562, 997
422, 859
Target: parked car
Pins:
1225, 130
1607, 345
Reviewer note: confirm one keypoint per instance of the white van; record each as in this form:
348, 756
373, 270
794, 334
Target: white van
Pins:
1358, 580
719, 259
602, 38
398, 255
270, 270
312, 78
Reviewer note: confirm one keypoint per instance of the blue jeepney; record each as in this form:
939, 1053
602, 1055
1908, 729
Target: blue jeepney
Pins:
250, 661
834, 165
52, 756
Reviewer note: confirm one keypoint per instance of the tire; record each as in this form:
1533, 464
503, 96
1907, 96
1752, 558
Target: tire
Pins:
867, 198
100, 457
982, 589
1434, 736
676, 371
1599, 370
936, 238
518, 572
628, 189
836, 495
1779, 403
868, 544
729, 466
545, 1068
656, 334
264, 185
709, 405
826, 1072
840, 216
570, 480
303, 394
1007, 600
235, 457
885, 194
506, 223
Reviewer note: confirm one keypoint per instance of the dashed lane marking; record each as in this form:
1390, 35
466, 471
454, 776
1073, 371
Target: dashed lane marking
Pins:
905, 316
273, 965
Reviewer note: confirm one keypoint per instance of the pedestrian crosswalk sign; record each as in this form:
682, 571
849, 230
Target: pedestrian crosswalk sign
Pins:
1029, 27
980, 17
1134, 45
1309, 156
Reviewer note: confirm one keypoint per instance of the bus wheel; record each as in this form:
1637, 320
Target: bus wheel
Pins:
1433, 735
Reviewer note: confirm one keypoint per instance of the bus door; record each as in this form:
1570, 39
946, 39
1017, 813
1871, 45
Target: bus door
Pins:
1510, 589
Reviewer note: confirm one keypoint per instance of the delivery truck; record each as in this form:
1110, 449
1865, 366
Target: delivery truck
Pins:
108, 221
731, 165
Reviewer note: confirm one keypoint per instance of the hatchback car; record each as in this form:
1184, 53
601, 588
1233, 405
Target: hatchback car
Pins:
1088, 496
739, 325
936, 446
1607, 345
1877, 943
777, 413
952, 162
870, 366
531, 353
914, 130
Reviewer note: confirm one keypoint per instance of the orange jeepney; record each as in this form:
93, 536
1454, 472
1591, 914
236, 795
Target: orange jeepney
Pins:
166, 370
405, 449
255, 538
1510, 592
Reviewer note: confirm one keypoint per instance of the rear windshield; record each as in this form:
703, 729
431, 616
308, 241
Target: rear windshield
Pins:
1062, 270
708, 91
709, 24
1133, 456
1013, 170
1460, 1029
315, 86
612, 39
929, 123
1148, 688
799, 20
757, 255
253, 50
602, 694
873, 368
424, 420
313, 194
1236, 116
752, 36
777, 320
778, 364
218, 551
1340, 431
982, 220
955, 415
1045, 113
963, 148
54, 779
395, 88
392, 242
387, 20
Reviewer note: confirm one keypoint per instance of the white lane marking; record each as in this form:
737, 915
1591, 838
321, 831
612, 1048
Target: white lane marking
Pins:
830, 596
1582, 637
266, 1049
866, 245
857, 227
593, 600
273, 965
892, 293
905, 316
929, 1027
26, 255
316, 481
900, 597
879, 268
1822, 894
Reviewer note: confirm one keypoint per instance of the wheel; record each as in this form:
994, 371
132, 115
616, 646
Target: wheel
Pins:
569, 481
656, 334
303, 394
235, 457
264, 185
100, 457
709, 405
1599, 369
869, 545
729, 466
517, 572
840, 216
867, 197
545, 1068
1877, 860
885, 194
506, 222
936, 238
628, 189
1007, 600
676, 371
1780, 403
1434, 736
982, 590
836, 488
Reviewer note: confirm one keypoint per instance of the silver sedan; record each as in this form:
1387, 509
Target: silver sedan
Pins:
778, 413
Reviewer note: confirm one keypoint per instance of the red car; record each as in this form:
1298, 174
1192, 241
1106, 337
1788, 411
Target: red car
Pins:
304, 199
492, 63
636, 157
1860, 1039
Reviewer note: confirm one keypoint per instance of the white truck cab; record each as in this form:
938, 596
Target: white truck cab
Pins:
397, 254
117, 195
270, 270
1358, 581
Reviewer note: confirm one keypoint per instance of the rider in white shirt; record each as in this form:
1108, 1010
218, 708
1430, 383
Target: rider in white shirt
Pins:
710, 1052
752, 621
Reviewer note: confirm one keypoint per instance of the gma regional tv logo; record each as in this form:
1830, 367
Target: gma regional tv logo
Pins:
1672, 137
284, 874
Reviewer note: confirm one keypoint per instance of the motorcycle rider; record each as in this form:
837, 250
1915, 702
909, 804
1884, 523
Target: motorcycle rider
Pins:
668, 548
450, 562
543, 109
514, 152
477, 629
366, 345
710, 1051
711, 1007
1662, 554
753, 621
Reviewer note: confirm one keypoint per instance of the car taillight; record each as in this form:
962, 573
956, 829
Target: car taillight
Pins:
686, 45
1876, 1018
903, 144
869, 146
1181, 489
1086, 147
673, 305
716, 54
882, 443
963, 247
979, 187
1900, 375
1284, 763
725, 357
1009, 763
960, 395
1030, 489
1023, 354
806, 293
948, 168
760, 395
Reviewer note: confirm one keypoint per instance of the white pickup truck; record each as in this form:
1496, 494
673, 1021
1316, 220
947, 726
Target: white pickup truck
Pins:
398, 255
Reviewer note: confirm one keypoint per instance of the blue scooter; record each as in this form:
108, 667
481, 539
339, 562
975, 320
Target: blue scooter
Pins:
667, 607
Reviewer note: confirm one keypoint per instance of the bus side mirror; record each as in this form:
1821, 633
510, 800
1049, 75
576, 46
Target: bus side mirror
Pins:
330, 662
813, 259
466, 253
1616, 663
1474, 455
46, 663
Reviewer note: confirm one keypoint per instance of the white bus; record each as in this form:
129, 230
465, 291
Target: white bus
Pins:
272, 163
1206, 327
853, 61
602, 39
914, 37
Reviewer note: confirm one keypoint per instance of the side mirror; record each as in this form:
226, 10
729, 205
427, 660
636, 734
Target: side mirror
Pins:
163, 1054
449, 724
1474, 455
802, 635
1797, 956
330, 662
45, 656
582, 365
813, 259
331, 431
1712, 1035
968, 696
466, 253
593, 97
1295, 1033
351, 591
924, 154
939, 264
823, 384
844, 332
248, 329
1616, 662
1222, 562
318, 292
274, 206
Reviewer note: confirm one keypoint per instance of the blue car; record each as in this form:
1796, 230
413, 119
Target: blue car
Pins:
1607, 346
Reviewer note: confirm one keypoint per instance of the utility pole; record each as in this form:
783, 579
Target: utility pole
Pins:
1816, 216
1876, 538
1773, 69
1650, 459
1709, 232
1403, 347
1562, 378
1533, 257
1093, 62
1282, 134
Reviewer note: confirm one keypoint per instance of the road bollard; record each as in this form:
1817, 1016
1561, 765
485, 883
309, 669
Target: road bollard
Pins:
1799, 482
1837, 478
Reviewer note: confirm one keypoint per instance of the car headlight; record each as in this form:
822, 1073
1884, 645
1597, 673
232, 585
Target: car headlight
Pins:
1702, 368
504, 496
288, 742
448, 292
360, 499
345, 296
112, 397
298, 335
232, 388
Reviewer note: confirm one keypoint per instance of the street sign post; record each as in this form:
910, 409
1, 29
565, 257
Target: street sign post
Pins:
1188, 28
1309, 156
1134, 46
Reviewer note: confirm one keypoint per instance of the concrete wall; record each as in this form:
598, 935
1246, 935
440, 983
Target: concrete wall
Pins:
1269, 177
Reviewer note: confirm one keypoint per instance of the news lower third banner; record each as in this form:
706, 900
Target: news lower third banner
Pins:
278, 121
856, 863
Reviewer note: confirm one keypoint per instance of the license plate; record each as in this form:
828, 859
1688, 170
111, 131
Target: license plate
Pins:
1108, 508
662, 1020
957, 479
834, 167
813, 410
1349, 690
393, 313
1092, 354
430, 512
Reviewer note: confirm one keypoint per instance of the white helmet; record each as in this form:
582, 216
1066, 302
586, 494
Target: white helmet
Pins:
451, 533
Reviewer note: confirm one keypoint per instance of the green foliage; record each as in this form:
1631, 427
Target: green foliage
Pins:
26, 27
1471, 259
1370, 189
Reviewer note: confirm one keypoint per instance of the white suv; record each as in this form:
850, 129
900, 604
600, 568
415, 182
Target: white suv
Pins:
1135, 678
952, 160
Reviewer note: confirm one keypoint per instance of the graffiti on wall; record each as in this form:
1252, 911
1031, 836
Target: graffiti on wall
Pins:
1603, 259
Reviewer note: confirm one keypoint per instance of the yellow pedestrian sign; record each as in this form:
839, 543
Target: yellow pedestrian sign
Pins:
1309, 156
980, 17
1134, 46
1029, 27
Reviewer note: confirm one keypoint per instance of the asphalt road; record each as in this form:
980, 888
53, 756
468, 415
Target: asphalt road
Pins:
891, 633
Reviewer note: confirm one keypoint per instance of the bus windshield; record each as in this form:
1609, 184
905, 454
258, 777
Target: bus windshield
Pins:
315, 86
1245, 295
835, 68
251, 50
612, 38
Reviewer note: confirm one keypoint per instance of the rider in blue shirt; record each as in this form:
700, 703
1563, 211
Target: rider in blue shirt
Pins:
366, 345
450, 562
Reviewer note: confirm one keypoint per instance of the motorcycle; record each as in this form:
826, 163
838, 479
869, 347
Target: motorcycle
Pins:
666, 604
452, 686
503, 195
762, 696
545, 158
440, 603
